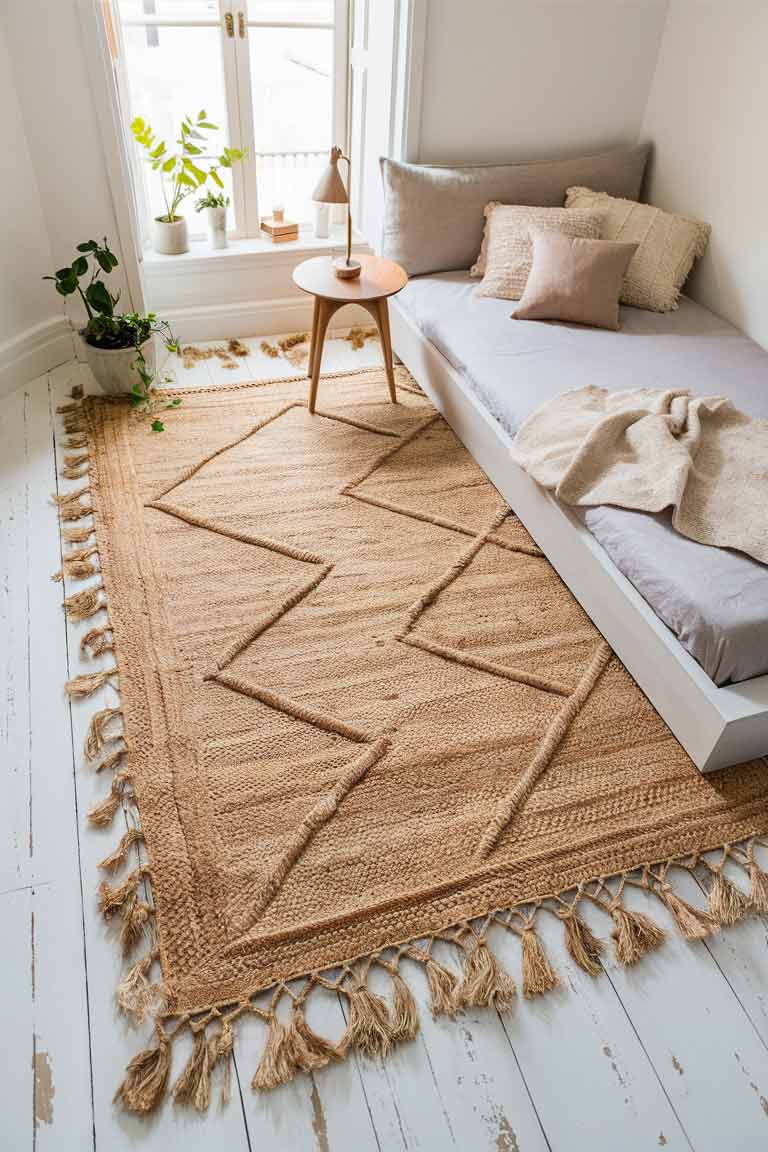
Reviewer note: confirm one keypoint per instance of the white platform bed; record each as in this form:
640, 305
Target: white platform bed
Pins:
486, 373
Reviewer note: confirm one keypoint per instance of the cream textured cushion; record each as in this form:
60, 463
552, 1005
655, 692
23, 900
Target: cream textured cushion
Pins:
507, 243
668, 246
575, 280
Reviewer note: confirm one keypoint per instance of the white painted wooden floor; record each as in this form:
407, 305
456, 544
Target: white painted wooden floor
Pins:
671, 1054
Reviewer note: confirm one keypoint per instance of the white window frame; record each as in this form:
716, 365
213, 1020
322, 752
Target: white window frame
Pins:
236, 29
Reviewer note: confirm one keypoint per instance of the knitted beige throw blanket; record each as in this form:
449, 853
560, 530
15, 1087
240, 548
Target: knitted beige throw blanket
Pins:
647, 450
363, 728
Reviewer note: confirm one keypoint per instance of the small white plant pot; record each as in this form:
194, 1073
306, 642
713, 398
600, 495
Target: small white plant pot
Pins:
113, 367
170, 239
217, 226
322, 219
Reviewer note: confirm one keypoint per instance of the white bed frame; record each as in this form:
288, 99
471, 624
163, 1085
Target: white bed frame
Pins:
716, 726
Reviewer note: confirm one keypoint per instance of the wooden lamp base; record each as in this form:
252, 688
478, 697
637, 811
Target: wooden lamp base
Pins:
347, 269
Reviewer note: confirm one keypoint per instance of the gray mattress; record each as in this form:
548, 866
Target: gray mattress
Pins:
714, 600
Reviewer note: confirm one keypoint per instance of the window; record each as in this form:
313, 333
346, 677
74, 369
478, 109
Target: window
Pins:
270, 73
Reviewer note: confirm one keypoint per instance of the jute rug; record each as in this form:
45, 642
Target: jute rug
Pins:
359, 712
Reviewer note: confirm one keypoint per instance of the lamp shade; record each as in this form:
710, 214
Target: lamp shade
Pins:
330, 187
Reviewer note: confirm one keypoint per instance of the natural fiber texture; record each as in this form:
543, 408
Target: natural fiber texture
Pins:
359, 712
649, 449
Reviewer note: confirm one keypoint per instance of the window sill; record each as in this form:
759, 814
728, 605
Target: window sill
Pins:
247, 253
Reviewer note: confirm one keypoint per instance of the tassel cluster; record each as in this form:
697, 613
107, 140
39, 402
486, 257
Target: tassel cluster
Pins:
291, 1048
484, 982
102, 815
98, 736
83, 605
634, 935
146, 1076
583, 947
136, 995
89, 682
538, 974
124, 900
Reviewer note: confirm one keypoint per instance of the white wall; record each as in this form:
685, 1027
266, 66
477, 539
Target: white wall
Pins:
31, 314
708, 117
51, 77
532, 79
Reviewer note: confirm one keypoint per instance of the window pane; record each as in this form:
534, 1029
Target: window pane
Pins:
174, 72
291, 81
291, 10
170, 9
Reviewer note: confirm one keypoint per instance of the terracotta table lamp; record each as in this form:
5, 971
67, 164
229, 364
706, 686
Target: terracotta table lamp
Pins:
330, 190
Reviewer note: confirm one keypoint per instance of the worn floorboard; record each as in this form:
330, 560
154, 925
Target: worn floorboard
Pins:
673, 1053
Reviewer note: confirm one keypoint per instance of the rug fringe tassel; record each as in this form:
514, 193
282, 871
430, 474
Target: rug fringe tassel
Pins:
124, 900
136, 995
69, 504
369, 1029
89, 682
692, 923
97, 731
538, 974
194, 1083
77, 565
220, 1053
77, 535
112, 862
442, 985
83, 605
727, 903
484, 982
758, 881
146, 1076
102, 815
582, 945
634, 935
97, 642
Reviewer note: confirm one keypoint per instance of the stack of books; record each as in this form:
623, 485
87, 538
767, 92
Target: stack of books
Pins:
279, 231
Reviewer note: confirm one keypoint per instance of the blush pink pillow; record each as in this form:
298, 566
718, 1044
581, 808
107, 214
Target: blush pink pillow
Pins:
575, 280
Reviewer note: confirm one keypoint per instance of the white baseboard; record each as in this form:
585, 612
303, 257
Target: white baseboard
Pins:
255, 318
34, 351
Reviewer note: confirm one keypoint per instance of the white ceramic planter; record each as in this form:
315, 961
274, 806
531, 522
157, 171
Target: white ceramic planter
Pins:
170, 238
217, 226
112, 367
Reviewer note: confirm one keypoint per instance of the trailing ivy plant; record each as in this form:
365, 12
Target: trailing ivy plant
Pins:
144, 398
184, 171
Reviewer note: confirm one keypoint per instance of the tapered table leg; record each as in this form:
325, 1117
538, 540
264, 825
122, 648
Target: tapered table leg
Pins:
313, 338
382, 321
326, 309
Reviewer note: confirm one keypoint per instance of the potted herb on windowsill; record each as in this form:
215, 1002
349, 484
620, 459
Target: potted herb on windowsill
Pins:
181, 174
215, 205
112, 343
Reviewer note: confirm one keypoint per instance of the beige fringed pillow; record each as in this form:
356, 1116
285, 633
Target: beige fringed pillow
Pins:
668, 246
507, 243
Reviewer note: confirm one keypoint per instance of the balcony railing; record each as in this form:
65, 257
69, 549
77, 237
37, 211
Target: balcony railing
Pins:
287, 179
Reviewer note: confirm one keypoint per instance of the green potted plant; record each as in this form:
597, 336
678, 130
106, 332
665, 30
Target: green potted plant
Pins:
181, 173
215, 205
111, 341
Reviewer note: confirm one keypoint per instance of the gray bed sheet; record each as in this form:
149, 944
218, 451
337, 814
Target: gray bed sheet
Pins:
714, 600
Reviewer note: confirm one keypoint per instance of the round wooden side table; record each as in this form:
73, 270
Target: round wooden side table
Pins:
379, 279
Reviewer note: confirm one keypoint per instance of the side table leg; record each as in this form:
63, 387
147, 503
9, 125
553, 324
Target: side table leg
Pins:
326, 309
313, 337
382, 316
